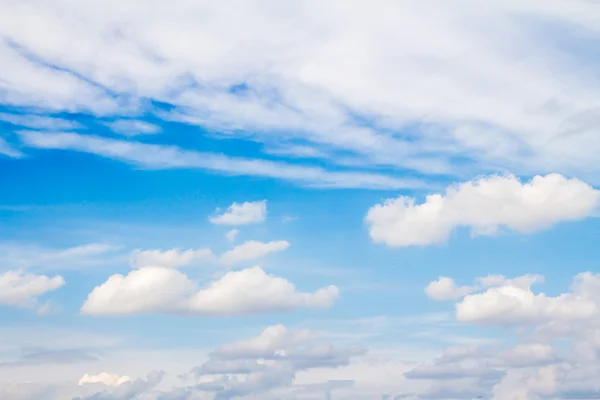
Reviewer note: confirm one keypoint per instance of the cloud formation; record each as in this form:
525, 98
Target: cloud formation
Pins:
173, 258
104, 378
252, 250
465, 91
154, 156
231, 235
150, 290
21, 289
248, 212
549, 351
269, 361
130, 127
486, 206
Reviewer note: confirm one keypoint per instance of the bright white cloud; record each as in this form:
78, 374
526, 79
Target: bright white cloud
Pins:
252, 290
104, 378
249, 212
144, 290
518, 304
129, 127
173, 258
252, 250
20, 289
496, 299
446, 289
165, 290
485, 206
232, 234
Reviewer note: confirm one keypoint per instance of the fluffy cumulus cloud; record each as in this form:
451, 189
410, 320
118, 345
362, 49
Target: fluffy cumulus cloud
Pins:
165, 290
173, 258
21, 289
485, 205
497, 300
242, 213
252, 250
131, 389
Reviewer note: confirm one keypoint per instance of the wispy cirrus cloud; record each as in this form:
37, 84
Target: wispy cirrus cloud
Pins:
28, 256
168, 157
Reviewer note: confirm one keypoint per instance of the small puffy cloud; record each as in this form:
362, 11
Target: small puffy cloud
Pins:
232, 234
173, 258
242, 214
20, 289
485, 205
131, 389
446, 289
165, 290
252, 250
104, 378
130, 127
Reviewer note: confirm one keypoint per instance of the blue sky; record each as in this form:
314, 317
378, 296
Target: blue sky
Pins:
257, 200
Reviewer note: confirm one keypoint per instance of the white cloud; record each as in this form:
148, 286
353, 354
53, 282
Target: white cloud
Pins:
249, 212
24, 256
528, 355
518, 304
104, 378
40, 122
9, 151
129, 127
173, 258
20, 289
163, 290
131, 389
271, 342
168, 157
252, 250
253, 291
269, 362
485, 205
232, 234
446, 289
144, 290
465, 90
